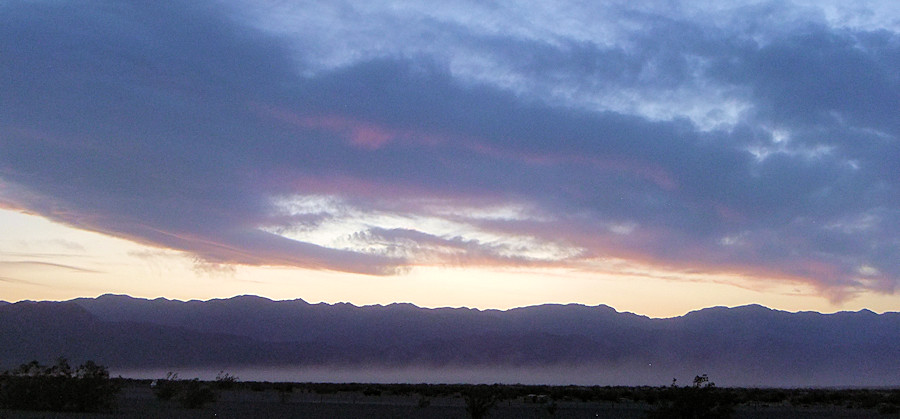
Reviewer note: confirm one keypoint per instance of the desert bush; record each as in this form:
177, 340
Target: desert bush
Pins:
225, 381
701, 400
371, 391
194, 394
480, 399
888, 409
58, 388
551, 408
166, 388
284, 387
190, 394
284, 391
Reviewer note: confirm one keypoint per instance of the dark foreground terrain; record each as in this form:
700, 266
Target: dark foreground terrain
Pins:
141, 399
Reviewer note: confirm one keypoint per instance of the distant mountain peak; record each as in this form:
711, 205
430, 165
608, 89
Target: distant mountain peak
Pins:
747, 308
245, 298
117, 296
35, 310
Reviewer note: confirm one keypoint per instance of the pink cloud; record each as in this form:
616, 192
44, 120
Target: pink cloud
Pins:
360, 133
645, 170
372, 136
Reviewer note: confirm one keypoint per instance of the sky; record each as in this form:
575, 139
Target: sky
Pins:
657, 157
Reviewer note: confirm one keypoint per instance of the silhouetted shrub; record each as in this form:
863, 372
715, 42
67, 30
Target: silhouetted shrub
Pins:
58, 388
551, 408
888, 409
701, 400
480, 399
225, 381
166, 388
194, 394
284, 387
191, 394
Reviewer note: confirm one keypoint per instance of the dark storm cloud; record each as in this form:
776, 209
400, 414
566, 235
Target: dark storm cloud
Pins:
180, 126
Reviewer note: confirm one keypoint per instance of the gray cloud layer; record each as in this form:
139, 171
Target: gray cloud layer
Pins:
760, 140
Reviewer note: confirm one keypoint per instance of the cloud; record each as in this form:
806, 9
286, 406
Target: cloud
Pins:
45, 265
757, 139
19, 281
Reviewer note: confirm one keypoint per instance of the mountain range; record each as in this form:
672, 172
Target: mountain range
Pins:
748, 345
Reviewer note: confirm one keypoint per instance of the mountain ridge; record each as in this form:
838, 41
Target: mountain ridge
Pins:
747, 345
300, 300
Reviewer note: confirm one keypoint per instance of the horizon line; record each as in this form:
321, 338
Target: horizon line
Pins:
479, 309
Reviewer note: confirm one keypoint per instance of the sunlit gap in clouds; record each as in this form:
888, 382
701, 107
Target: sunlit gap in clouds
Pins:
446, 233
435, 232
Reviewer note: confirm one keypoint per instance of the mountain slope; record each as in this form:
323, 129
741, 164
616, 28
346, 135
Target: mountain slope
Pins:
743, 345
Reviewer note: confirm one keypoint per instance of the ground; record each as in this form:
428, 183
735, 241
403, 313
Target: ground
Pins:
137, 400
